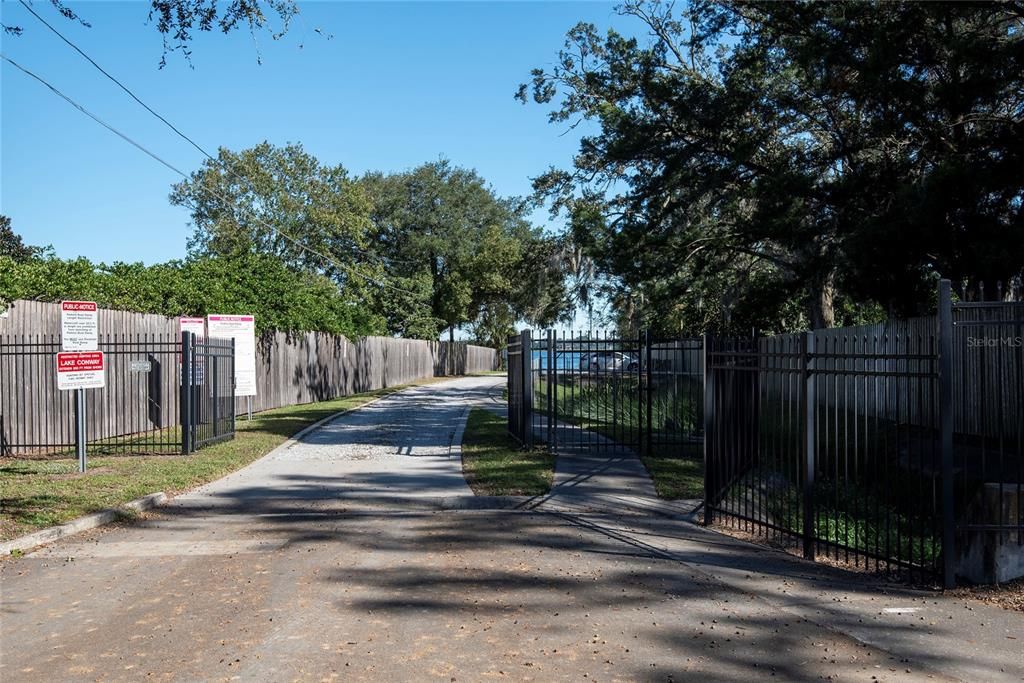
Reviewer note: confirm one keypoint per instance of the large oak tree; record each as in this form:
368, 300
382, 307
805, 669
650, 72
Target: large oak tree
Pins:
750, 156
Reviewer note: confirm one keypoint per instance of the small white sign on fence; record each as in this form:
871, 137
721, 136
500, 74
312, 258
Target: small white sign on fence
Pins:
241, 328
79, 326
80, 370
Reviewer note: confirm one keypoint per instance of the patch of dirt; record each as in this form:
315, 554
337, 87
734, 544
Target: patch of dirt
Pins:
1009, 596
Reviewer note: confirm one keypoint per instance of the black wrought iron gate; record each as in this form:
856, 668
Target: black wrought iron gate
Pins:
596, 391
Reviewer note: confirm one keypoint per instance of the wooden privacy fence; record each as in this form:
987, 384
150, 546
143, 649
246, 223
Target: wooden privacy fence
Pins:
290, 369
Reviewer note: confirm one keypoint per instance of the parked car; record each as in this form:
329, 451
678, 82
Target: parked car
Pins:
608, 361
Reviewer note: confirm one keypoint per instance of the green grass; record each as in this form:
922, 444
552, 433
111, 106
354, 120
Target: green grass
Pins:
41, 493
612, 408
847, 514
495, 464
676, 478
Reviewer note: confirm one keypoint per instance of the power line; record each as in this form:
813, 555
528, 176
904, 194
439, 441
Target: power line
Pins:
227, 203
241, 177
119, 83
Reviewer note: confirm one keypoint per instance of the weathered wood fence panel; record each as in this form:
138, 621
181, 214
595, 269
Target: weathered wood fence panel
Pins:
291, 368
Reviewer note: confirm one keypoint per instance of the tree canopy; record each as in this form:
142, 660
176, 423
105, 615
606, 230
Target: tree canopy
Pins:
426, 250
482, 262
260, 284
177, 20
11, 244
785, 164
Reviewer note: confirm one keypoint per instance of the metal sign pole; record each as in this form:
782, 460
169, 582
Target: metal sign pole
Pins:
80, 428
248, 405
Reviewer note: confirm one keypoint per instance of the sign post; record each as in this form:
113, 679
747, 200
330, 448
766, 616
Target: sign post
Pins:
80, 428
82, 368
242, 329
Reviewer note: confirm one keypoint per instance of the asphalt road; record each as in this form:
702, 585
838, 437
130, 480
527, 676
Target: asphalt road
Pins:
318, 564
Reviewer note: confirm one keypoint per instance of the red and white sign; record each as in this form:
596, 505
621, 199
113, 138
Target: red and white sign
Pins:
241, 328
79, 326
82, 370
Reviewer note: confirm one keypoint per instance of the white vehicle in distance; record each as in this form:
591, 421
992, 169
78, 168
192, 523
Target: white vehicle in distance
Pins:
607, 361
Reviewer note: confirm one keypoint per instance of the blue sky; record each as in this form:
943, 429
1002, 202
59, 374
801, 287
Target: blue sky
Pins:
397, 85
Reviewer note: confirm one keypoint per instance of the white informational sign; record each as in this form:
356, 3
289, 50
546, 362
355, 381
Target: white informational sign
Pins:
80, 370
241, 328
196, 326
79, 326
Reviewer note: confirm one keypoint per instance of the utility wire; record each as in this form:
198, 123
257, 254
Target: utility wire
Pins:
119, 83
240, 177
227, 203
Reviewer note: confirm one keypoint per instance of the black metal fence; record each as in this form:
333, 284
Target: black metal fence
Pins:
138, 411
207, 391
520, 403
596, 391
830, 440
896, 447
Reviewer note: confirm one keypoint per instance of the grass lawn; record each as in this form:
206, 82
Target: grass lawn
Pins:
495, 464
676, 478
35, 494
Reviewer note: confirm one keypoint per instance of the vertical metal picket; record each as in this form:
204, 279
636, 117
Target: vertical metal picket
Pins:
709, 425
809, 411
945, 332
646, 351
527, 388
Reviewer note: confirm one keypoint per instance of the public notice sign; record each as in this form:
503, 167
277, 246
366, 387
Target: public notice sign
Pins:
80, 370
79, 326
241, 328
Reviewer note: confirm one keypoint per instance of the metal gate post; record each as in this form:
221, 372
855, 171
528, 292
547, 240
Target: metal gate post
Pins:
549, 375
640, 402
553, 416
210, 361
809, 410
709, 428
80, 436
231, 377
527, 346
945, 332
186, 392
650, 393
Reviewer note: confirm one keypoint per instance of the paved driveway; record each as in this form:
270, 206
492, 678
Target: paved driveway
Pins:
400, 447
299, 568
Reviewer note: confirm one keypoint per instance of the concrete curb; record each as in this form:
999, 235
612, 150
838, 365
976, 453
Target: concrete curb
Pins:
77, 526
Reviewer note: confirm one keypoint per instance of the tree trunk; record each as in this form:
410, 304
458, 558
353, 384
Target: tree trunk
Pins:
822, 303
